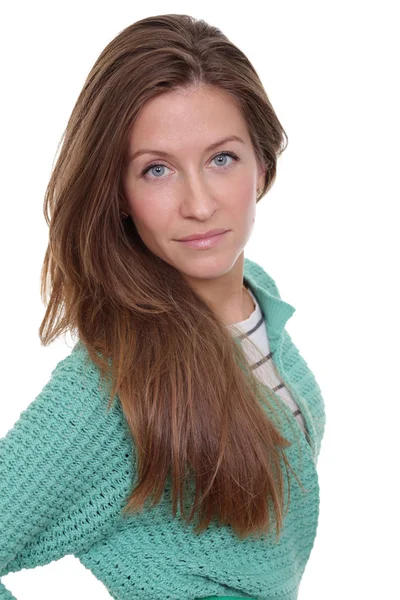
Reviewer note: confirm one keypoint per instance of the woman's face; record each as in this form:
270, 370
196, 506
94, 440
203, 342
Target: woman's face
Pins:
177, 186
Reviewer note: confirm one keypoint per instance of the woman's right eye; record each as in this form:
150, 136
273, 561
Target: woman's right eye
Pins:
145, 171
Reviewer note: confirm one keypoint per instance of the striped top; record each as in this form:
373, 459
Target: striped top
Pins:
254, 331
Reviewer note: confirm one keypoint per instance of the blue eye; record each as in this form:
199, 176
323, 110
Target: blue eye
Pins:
231, 154
154, 165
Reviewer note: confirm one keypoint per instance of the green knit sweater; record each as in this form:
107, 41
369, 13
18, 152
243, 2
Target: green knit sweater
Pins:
67, 465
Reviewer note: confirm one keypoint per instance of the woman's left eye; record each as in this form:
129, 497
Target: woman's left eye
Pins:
223, 154
219, 155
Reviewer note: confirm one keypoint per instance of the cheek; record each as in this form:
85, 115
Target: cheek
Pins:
150, 216
244, 204
247, 212
244, 191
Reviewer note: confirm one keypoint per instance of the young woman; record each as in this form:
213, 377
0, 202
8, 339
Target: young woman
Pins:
174, 450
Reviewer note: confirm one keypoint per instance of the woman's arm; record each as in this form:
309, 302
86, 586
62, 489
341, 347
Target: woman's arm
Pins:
47, 464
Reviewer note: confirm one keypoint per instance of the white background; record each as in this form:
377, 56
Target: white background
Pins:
327, 232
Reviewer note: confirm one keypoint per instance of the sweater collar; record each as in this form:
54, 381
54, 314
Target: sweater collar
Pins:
275, 310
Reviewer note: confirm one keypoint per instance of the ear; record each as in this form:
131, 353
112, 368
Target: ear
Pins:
262, 170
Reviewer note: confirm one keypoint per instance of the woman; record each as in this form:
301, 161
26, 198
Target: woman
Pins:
183, 384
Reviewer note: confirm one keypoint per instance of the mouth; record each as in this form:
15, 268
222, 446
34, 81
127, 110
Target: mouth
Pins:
200, 236
205, 243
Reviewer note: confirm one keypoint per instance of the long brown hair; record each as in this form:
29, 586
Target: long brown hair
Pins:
189, 397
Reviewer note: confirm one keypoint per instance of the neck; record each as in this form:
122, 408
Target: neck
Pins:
248, 304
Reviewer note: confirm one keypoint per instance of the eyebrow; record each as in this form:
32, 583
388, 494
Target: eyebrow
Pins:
231, 138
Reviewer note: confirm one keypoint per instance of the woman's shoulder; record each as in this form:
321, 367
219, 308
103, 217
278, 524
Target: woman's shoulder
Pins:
73, 397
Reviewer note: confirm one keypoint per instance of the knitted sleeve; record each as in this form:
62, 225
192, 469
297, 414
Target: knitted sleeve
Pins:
47, 465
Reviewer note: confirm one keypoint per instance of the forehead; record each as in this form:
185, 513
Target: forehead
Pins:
179, 119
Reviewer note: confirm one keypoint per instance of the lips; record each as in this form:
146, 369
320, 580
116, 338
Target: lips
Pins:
201, 236
205, 243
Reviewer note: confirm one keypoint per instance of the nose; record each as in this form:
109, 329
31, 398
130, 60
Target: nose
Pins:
199, 202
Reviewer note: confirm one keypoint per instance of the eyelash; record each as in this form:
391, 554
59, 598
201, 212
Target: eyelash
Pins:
224, 153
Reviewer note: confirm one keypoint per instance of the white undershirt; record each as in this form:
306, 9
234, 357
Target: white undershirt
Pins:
255, 329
